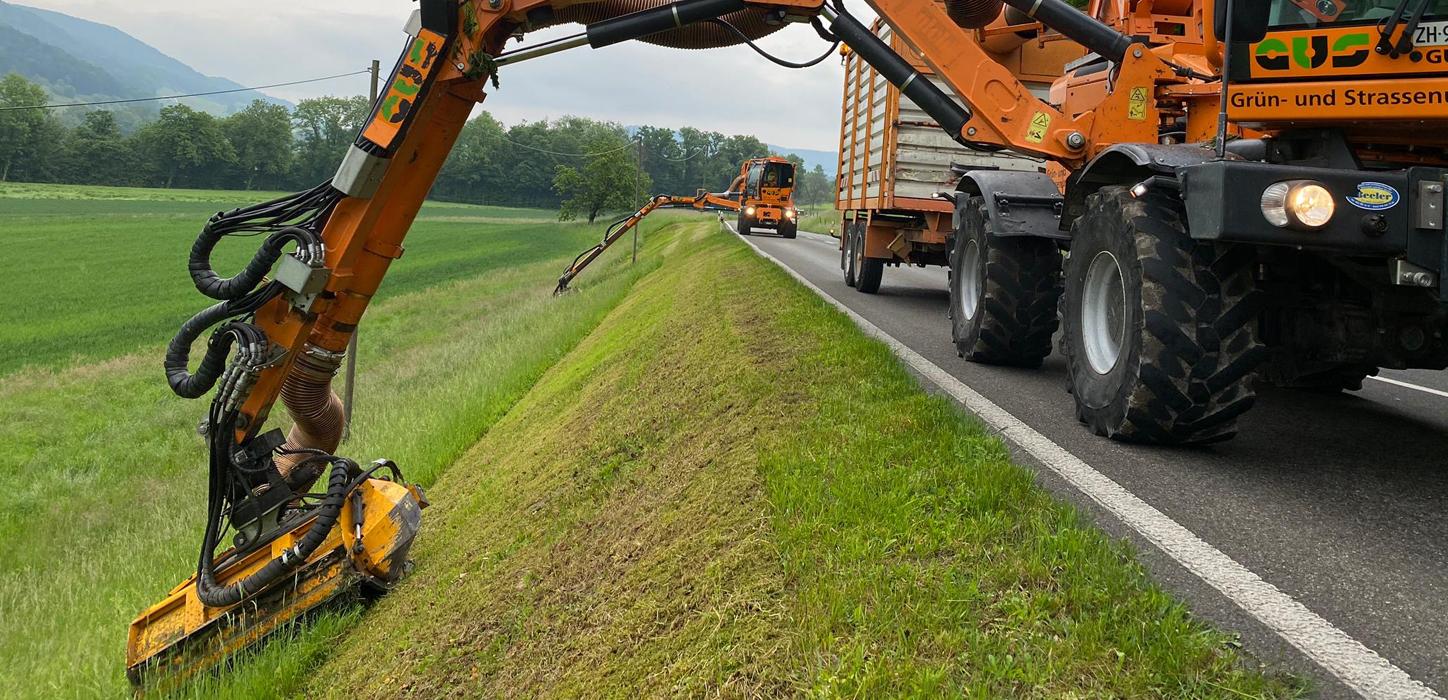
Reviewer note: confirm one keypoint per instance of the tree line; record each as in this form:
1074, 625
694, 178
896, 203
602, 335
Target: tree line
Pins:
588, 164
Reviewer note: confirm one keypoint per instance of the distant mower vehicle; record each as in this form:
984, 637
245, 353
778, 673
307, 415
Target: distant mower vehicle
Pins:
767, 197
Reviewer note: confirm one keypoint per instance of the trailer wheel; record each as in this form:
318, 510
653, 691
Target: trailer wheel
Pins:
868, 271
1004, 293
743, 224
849, 260
1160, 330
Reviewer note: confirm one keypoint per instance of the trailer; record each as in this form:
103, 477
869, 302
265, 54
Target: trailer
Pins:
898, 169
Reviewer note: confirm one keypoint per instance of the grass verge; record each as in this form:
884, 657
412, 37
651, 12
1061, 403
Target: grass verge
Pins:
726, 489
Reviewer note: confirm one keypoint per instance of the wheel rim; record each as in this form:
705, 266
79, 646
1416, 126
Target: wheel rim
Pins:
1103, 313
859, 252
971, 282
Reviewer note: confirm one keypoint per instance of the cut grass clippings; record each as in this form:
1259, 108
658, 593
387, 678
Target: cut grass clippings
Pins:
726, 489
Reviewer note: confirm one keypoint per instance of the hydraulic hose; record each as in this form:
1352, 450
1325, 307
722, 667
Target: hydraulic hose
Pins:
216, 287
677, 25
213, 363
215, 595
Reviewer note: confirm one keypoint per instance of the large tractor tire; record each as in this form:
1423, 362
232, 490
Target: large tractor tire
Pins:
1004, 293
788, 229
743, 227
868, 271
1160, 330
847, 263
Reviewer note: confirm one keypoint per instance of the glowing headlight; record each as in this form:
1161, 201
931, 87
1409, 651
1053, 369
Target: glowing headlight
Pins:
749, 211
1300, 204
789, 213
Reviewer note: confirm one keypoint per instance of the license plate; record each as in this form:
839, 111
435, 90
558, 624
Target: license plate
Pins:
1431, 34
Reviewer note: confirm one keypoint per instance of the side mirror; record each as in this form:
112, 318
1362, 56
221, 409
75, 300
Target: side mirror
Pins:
1249, 20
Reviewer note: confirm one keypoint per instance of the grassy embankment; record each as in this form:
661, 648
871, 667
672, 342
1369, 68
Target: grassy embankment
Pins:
821, 219
727, 490
101, 488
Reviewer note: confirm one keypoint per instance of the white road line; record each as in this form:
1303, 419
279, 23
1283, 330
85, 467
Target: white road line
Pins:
1415, 387
1358, 667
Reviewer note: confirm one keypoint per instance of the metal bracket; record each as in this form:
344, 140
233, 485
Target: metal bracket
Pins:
414, 23
1430, 205
1406, 274
360, 173
302, 281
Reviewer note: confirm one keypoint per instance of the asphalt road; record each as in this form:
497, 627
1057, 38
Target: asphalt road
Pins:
1341, 501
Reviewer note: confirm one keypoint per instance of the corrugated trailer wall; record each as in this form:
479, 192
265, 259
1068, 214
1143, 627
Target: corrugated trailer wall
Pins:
892, 154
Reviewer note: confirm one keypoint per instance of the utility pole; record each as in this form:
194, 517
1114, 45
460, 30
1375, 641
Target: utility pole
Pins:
638, 194
350, 388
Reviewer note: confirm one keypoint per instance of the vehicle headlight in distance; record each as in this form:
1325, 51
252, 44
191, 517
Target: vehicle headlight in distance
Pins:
749, 211
789, 213
1302, 204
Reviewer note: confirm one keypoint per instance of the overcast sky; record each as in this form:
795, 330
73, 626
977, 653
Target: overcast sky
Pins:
258, 42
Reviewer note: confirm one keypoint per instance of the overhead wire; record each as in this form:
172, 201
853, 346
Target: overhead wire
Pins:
100, 103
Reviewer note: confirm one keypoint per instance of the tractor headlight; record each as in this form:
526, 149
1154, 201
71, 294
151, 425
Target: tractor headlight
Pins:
789, 213
1300, 204
749, 211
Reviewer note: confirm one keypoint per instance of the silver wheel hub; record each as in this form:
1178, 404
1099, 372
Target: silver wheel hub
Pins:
972, 284
1103, 313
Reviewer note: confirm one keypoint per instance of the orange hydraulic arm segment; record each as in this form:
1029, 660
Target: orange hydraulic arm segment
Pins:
702, 201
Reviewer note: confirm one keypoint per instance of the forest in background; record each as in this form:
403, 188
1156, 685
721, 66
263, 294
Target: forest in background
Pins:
270, 147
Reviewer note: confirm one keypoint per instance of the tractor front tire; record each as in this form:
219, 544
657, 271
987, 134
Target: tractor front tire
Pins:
1160, 330
743, 225
1004, 293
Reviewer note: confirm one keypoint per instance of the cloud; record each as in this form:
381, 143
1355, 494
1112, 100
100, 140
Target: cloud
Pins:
269, 41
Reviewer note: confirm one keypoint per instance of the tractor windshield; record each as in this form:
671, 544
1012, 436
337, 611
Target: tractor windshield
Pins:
1299, 14
779, 175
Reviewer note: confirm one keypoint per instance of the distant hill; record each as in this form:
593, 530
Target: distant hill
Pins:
79, 60
829, 160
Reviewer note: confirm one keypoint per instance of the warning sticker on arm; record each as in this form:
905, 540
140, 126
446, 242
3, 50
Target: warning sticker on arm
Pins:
1040, 124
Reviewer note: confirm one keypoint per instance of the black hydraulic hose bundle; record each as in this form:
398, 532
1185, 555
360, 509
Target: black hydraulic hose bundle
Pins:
178, 352
298, 219
216, 287
339, 482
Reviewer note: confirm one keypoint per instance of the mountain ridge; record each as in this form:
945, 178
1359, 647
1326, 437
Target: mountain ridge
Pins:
76, 59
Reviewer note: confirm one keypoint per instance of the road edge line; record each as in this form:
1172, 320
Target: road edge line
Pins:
1410, 385
1359, 668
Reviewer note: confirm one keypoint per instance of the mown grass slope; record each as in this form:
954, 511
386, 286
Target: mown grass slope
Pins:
727, 490
102, 474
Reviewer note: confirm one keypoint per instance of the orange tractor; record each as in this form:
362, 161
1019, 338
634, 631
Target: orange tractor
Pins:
766, 190
1230, 189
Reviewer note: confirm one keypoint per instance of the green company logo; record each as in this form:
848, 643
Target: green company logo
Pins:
1349, 51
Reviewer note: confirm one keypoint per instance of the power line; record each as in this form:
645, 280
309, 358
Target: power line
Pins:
630, 144
178, 97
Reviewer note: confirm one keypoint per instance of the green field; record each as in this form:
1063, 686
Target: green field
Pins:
689, 478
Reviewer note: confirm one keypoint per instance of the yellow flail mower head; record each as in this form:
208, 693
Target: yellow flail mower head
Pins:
355, 541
